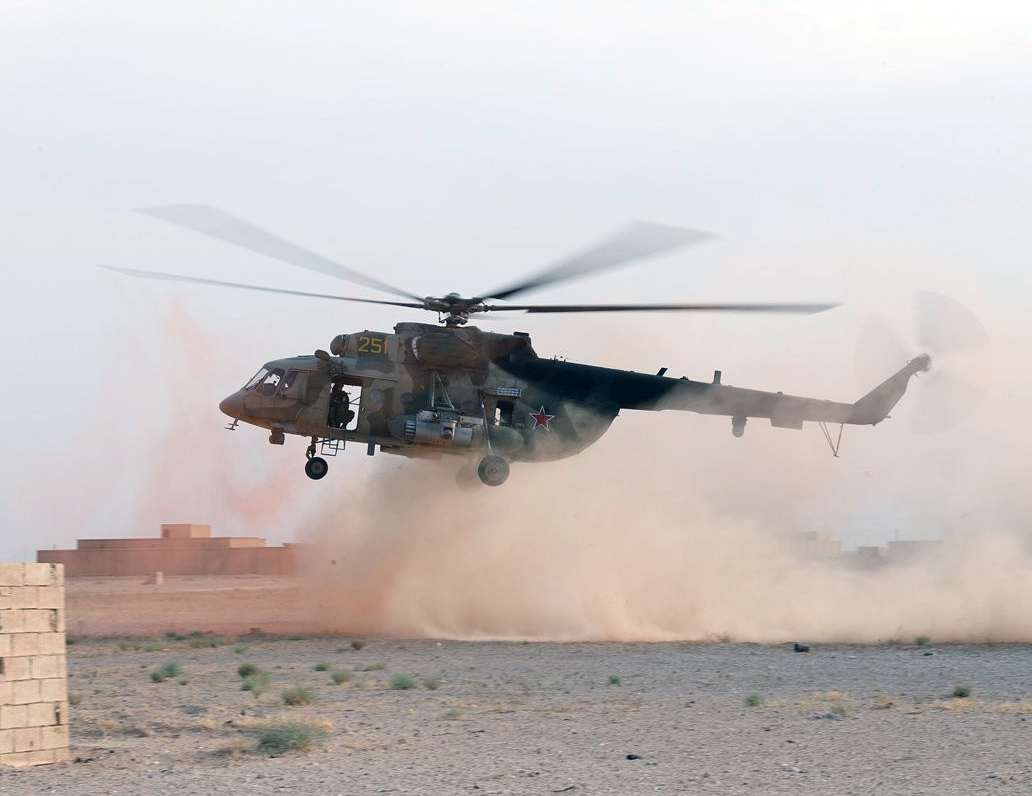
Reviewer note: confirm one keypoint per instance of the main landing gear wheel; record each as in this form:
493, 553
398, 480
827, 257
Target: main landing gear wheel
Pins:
493, 470
316, 468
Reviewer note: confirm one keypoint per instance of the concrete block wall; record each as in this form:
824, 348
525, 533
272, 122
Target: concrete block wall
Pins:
33, 677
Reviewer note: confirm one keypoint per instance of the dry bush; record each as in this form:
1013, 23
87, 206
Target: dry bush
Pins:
299, 694
166, 672
290, 736
340, 676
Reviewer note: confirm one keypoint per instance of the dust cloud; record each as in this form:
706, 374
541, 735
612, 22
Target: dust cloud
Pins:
670, 529
166, 384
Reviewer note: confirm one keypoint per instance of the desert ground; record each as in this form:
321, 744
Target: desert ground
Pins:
438, 716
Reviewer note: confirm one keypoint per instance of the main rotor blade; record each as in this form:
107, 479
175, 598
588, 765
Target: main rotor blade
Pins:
639, 240
214, 222
197, 280
791, 308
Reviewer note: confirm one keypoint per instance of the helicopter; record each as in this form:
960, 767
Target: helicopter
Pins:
451, 389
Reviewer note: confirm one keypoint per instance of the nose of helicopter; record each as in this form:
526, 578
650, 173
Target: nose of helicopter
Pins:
233, 405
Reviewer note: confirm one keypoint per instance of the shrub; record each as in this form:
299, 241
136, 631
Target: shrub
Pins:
431, 683
255, 684
322, 667
922, 641
299, 695
247, 670
74, 698
166, 672
402, 682
198, 640
754, 700
357, 644
340, 676
614, 679
374, 667
289, 736
962, 691
257, 681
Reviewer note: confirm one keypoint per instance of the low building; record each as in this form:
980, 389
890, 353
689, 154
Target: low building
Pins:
182, 549
811, 544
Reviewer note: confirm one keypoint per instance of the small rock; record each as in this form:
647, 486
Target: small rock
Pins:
798, 647
633, 757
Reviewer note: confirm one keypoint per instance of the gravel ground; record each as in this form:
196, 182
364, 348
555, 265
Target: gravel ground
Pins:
527, 718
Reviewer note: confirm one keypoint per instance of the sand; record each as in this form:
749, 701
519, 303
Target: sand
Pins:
513, 717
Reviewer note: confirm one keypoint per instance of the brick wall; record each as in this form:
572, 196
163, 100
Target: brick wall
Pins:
33, 689
172, 559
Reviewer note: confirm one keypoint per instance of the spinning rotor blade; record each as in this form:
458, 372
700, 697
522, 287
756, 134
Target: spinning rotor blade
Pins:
958, 344
878, 349
946, 325
945, 400
797, 308
197, 280
212, 221
639, 240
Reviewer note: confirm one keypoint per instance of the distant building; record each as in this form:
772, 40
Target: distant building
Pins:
907, 551
182, 549
812, 544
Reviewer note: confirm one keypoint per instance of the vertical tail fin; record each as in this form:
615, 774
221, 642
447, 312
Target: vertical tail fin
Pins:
876, 405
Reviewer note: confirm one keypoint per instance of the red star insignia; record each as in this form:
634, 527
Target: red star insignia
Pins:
541, 418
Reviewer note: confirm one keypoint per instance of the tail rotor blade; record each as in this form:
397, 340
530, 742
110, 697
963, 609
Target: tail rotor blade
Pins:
878, 349
945, 401
944, 325
958, 344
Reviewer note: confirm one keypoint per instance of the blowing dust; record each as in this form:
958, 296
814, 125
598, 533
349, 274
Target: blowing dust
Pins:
670, 529
191, 469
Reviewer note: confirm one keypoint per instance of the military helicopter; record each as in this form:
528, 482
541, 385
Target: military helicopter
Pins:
431, 390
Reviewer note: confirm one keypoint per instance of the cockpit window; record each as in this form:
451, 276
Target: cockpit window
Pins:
256, 379
291, 379
266, 381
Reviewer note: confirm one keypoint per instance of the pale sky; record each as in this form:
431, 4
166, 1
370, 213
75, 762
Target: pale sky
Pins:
849, 152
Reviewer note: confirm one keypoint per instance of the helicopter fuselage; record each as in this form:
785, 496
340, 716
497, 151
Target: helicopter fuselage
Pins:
427, 390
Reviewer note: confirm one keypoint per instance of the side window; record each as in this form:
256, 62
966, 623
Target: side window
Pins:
293, 384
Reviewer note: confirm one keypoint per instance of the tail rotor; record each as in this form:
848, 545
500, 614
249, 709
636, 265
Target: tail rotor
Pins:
956, 341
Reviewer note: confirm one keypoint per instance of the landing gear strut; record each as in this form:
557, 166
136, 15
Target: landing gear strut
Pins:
316, 467
493, 470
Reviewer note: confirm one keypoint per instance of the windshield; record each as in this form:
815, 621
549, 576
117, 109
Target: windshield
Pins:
265, 380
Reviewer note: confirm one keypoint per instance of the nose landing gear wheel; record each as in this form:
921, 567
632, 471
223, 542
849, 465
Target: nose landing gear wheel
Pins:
316, 468
493, 470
